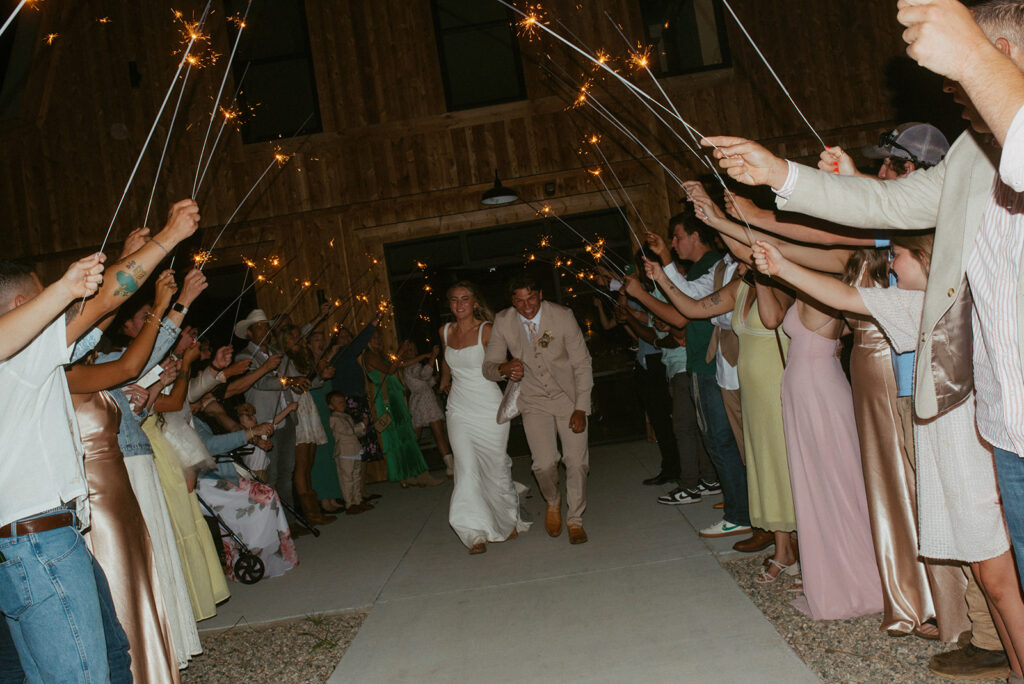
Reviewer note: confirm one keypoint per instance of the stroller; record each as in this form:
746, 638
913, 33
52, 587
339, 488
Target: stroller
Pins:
248, 567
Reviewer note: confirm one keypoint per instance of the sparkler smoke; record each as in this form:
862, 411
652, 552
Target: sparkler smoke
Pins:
184, 59
11, 18
772, 71
220, 91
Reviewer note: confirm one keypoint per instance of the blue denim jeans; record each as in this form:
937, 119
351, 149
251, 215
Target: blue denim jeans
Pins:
58, 611
1010, 474
721, 446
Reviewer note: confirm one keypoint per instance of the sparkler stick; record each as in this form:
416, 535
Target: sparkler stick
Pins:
772, 71
11, 18
622, 188
241, 294
229, 114
546, 212
167, 142
593, 140
220, 91
279, 158
194, 34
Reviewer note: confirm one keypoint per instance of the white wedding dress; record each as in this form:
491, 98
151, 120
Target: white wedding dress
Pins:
485, 502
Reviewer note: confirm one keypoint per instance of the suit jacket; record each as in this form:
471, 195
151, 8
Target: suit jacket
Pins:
950, 196
564, 364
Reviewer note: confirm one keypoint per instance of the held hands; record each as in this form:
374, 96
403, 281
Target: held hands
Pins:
747, 161
836, 160
694, 189
165, 289
513, 370
631, 286
222, 359
768, 259
84, 276
941, 35
183, 219
194, 283
578, 421
137, 397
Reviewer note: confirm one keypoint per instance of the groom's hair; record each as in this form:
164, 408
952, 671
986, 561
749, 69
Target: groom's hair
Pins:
521, 281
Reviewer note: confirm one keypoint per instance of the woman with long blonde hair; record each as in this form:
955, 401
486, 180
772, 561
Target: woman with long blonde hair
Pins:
485, 501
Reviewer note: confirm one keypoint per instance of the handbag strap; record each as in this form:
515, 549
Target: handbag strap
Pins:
778, 342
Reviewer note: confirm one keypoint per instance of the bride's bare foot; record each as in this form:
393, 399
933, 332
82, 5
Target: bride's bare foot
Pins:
479, 547
515, 533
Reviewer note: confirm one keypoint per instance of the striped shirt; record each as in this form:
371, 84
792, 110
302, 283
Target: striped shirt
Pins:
993, 272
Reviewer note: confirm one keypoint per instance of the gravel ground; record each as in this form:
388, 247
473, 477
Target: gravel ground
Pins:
853, 650
305, 650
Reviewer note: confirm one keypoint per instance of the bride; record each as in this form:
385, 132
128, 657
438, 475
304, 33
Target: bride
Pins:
485, 502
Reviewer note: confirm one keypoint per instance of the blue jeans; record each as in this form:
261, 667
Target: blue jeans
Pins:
1010, 474
721, 447
58, 610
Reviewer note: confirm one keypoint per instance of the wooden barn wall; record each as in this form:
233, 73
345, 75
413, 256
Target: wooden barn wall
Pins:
391, 163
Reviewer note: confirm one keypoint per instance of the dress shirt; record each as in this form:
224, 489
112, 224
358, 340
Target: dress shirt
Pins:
674, 358
993, 271
42, 467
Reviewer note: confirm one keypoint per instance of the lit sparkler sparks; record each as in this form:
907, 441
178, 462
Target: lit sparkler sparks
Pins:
103, 20
201, 257
640, 57
50, 37
533, 17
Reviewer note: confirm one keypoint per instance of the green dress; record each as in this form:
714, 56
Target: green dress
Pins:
325, 473
403, 455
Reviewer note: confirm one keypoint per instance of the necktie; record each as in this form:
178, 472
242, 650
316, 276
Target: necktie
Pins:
533, 332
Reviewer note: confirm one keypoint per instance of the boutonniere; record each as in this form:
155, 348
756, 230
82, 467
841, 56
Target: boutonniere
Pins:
545, 339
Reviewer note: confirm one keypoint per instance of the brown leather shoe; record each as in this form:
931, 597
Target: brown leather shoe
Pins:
719, 505
576, 534
970, 662
553, 519
759, 541
355, 510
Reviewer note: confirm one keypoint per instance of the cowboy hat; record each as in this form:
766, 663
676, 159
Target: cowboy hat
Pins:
255, 316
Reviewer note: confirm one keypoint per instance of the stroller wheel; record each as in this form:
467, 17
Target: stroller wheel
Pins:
249, 568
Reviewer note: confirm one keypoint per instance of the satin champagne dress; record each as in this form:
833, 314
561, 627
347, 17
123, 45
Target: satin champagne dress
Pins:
913, 590
760, 371
119, 540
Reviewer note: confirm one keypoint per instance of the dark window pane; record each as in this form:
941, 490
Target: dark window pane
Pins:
280, 84
687, 35
479, 54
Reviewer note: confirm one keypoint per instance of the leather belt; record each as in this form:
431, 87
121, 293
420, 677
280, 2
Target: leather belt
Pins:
37, 525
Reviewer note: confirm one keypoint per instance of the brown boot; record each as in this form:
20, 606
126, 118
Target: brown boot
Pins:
758, 541
577, 535
970, 662
310, 506
553, 519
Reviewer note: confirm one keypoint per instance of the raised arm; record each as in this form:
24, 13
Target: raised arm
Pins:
772, 304
176, 399
719, 302
22, 324
125, 277
243, 383
662, 310
85, 378
768, 220
823, 288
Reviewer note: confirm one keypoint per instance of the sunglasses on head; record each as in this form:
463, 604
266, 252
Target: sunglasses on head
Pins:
888, 141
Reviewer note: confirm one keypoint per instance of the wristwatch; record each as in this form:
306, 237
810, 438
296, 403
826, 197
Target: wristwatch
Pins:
180, 308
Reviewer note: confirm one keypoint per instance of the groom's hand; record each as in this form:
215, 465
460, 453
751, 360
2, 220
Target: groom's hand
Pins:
578, 421
513, 370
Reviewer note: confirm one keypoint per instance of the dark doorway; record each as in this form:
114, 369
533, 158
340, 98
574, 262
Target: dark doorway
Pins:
421, 271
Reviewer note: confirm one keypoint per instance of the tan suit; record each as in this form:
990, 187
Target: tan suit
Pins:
950, 196
557, 380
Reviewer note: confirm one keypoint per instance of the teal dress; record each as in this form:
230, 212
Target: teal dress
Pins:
403, 455
325, 473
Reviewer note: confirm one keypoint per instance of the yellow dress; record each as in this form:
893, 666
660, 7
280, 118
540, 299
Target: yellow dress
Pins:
204, 576
760, 373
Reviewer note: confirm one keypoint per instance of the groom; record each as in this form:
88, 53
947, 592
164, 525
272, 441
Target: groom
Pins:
550, 358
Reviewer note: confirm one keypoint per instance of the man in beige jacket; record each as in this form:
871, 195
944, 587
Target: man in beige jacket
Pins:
550, 359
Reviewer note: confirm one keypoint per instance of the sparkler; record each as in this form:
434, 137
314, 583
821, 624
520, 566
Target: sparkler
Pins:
772, 71
13, 14
229, 113
548, 213
163, 105
594, 140
50, 37
279, 158
220, 91
260, 278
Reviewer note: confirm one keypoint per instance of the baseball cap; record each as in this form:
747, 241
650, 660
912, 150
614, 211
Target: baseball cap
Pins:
918, 142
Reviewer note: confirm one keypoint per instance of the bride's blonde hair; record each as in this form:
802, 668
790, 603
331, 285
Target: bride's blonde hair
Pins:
481, 312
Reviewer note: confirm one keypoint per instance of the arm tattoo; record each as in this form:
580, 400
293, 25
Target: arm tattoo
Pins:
715, 298
128, 277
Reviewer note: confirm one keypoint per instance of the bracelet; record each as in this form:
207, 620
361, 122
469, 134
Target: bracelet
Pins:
157, 243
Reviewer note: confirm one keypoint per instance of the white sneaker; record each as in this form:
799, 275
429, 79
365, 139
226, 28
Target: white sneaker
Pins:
724, 528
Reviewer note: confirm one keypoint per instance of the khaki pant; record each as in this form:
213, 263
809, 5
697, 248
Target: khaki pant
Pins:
542, 433
731, 399
983, 630
350, 477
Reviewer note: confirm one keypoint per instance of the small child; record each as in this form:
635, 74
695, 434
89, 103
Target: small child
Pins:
258, 461
348, 453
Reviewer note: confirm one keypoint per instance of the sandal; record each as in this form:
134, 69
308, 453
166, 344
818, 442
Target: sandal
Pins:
765, 576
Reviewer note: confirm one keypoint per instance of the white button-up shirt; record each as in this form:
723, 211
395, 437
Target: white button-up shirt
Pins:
41, 468
993, 272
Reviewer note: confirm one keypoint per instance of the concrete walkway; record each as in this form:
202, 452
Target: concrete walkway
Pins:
645, 598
